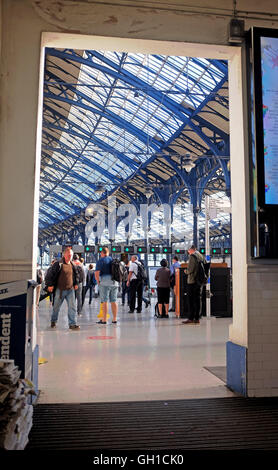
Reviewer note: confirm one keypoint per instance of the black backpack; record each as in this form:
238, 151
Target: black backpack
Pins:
117, 270
81, 273
202, 273
141, 272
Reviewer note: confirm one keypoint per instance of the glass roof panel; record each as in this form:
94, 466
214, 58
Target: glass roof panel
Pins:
120, 111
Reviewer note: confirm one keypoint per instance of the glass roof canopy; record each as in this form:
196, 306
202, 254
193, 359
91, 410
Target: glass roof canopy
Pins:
108, 116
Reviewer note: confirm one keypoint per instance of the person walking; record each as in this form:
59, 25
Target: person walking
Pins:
108, 288
162, 277
135, 285
62, 280
194, 290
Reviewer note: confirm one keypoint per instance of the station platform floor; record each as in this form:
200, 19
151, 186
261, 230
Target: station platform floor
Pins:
141, 358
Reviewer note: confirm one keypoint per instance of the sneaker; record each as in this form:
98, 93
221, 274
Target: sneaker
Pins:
101, 322
74, 327
188, 322
53, 324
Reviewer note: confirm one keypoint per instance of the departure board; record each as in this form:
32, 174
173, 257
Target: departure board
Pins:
269, 76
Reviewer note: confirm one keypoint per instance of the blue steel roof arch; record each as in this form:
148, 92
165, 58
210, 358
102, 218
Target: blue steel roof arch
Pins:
158, 96
124, 76
161, 96
53, 124
56, 209
101, 111
89, 137
202, 134
65, 150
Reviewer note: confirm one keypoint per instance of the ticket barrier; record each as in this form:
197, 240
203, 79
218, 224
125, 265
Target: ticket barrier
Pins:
220, 288
18, 328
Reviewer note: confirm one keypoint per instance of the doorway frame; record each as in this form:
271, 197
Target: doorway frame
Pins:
238, 332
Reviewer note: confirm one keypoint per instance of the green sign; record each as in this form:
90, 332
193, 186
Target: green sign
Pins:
89, 249
129, 249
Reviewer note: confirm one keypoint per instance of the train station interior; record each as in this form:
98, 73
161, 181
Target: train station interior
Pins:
147, 128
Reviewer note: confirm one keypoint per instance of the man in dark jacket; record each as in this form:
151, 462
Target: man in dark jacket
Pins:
62, 278
194, 290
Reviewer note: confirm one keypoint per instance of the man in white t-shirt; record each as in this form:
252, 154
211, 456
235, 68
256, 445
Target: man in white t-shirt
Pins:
135, 285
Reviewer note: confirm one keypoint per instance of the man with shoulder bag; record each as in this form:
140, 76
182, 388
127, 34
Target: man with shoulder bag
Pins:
135, 284
62, 280
194, 287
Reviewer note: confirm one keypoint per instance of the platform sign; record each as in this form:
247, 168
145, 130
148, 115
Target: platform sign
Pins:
179, 251
154, 249
89, 249
129, 249
152, 272
227, 251
216, 251
141, 249
116, 249
202, 250
167, 249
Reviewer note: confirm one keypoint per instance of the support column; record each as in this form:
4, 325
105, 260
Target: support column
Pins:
19, 153
196, 211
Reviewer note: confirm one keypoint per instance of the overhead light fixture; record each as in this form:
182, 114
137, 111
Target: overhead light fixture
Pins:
236, 28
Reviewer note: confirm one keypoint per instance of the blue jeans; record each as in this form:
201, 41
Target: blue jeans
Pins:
69, 295
78, 296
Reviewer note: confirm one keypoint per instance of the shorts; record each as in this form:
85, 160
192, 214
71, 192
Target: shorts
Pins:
108, 290
163, 295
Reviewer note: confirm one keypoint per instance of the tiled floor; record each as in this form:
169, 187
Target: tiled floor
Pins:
139, 358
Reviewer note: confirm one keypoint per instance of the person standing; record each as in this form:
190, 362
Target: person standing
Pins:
79, 290
84, 285
135, 285
39, 282
108, 288
194, 290
162, 277
175, 264
90, 283
125, 288
62, 280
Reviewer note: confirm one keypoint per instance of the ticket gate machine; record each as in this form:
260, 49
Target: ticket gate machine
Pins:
220, 288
